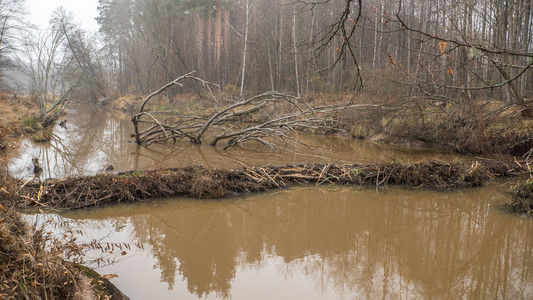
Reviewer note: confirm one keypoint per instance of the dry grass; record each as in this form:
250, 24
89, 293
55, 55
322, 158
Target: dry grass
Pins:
18, 117
38, 264
13, 108
478, 127
32, 261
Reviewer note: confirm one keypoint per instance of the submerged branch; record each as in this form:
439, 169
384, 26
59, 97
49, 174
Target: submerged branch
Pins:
263, 118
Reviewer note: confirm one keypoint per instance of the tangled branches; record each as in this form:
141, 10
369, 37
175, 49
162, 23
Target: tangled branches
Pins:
270, 115
198, 182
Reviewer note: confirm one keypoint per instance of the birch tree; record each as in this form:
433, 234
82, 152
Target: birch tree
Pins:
245, 47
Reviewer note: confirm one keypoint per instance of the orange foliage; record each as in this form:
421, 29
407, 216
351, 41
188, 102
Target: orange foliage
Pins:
442, 46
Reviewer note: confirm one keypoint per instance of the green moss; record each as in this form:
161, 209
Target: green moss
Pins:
43, 136
102, 287
30, 124
137, 173
160, 108
356, 172
92, 274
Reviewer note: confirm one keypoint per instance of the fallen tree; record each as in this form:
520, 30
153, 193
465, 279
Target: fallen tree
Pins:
264, 118
198, 182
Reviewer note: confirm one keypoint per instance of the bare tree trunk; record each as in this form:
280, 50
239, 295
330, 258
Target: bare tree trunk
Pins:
218, 38
270, 67
199, 43
381, 21
309, 55
245, 46
361, 41
280, 47
295, 51
375, 41
227, 34
525, 40
209, 30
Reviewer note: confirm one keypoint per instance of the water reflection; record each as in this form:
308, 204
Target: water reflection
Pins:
95, 138
325, 242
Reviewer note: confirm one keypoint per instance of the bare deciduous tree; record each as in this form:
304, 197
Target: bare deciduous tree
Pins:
58, 65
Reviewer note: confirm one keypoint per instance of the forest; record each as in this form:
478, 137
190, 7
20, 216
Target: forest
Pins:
433, 79
440, 70
440, 50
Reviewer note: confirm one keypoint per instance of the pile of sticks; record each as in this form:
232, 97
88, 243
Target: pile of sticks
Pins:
198, 182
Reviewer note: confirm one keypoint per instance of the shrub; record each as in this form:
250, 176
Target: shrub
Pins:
30, 123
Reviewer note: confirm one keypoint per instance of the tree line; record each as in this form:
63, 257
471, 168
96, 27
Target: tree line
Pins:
439, 50
440, 46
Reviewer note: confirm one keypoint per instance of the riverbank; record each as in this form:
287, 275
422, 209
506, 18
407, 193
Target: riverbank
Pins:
202, 183
485, 126
19, 118
35, 264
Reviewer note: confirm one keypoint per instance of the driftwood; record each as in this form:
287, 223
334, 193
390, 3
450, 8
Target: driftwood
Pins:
264, 118
198, 182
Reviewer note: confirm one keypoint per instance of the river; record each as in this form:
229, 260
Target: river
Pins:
94, 139
305, 242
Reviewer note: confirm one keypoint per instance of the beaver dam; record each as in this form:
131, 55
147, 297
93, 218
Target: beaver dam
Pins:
522, 194
199, 182
310, 223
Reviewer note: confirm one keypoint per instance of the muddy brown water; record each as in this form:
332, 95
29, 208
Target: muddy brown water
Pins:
325, 242
95, 139
305, 242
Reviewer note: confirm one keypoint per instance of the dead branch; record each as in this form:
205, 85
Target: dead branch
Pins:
265, 118
137, 118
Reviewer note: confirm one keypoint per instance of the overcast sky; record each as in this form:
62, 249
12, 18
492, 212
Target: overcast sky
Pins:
40, 11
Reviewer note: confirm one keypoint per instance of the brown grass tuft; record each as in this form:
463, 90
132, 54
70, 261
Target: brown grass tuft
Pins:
31, 261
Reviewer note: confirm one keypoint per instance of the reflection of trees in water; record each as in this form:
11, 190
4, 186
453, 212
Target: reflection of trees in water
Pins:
426, 251
85, 147
197, 242
56, 159
393, 244
95, 139
318, 149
